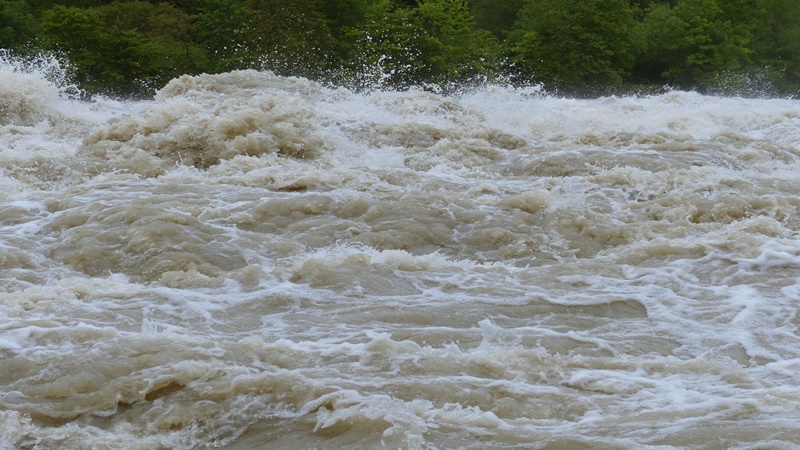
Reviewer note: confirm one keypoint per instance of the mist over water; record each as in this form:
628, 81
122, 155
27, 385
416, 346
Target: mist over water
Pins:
252, 261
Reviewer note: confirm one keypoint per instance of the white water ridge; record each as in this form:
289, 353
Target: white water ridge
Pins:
255, 262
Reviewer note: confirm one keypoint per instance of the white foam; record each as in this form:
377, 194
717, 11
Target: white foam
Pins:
494, 268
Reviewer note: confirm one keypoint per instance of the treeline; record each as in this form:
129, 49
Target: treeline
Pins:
586, 47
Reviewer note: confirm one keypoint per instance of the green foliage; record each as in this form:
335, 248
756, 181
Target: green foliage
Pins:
433, 43
287, 36
17, 24
776, 42
41, 5
168, 37
78, 32
291, 37
219, 31
583, 44
693, 42
345, 14
495, 16
121, 48
786, 56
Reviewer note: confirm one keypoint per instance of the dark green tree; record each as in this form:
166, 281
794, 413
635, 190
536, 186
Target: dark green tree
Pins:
434, 43
123, 48
785, 57
775, 45
42, 5
17, 24
345, 14
583, 45
78, 33
291, 37
497, 17
169, 34
692, 43
220, 31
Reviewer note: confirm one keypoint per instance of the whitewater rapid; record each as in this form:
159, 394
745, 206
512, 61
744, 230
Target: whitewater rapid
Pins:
253, 261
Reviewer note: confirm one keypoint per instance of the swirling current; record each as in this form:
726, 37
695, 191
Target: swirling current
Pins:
250, 261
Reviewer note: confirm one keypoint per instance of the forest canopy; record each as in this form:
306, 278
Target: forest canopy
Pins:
580, 47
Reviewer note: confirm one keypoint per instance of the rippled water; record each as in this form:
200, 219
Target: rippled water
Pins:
250, 261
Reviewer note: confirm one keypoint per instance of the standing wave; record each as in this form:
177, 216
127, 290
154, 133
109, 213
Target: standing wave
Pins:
255, 261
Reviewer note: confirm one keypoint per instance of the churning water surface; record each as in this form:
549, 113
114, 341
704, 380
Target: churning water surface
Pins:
256, 262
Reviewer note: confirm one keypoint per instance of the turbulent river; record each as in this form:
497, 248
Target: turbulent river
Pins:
250, 261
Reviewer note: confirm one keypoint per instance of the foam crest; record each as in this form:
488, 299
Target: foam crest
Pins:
250, 260
203, 120
652, 121
364, 271
26, 98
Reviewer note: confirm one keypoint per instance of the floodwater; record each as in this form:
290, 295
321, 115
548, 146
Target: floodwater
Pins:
257, 262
